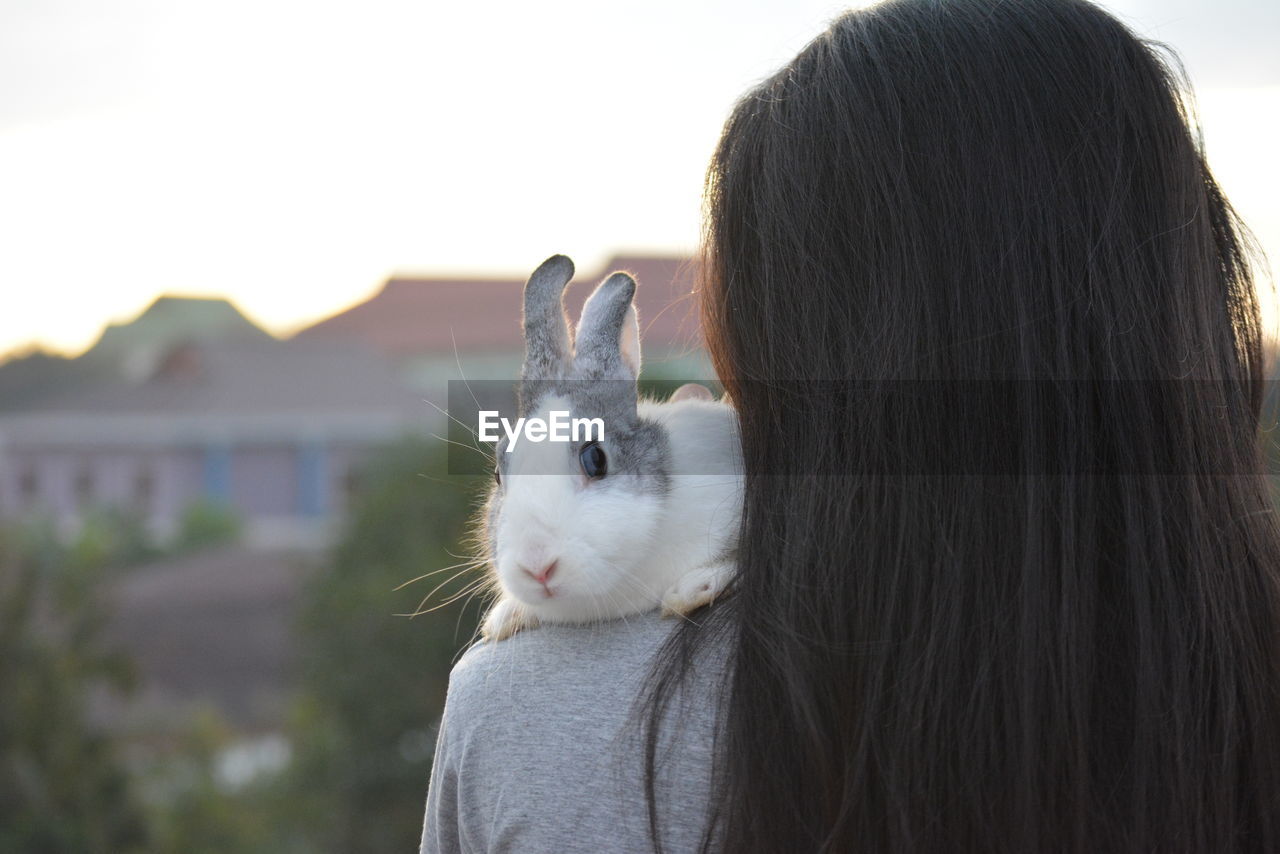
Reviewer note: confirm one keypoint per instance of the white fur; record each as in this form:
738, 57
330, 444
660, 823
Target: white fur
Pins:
618, 553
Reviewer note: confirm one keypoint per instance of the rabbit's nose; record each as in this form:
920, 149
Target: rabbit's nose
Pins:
543, 575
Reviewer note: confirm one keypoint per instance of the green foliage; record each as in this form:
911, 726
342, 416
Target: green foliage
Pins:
373, 682
198, 812
206, 523
112, 537
35, 542
362, 729
62, 787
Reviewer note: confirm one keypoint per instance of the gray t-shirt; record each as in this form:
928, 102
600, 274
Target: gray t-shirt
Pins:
538, 750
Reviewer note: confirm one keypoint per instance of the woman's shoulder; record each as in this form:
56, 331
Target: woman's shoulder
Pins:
562, 660
539, 742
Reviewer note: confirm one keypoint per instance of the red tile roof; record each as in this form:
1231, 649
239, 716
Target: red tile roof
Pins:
413, 316
209, 628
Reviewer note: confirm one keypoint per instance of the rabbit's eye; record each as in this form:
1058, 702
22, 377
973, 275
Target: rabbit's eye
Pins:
497, 475
595, 464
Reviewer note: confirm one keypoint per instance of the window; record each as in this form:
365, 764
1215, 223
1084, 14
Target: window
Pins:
28, 487
82, 486
144, 488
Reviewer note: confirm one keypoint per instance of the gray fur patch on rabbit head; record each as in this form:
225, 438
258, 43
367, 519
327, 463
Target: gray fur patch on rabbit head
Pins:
593, 368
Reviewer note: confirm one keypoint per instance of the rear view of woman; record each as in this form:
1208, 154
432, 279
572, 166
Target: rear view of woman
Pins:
1008, 570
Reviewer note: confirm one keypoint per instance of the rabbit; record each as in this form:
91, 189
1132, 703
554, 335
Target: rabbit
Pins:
594, 530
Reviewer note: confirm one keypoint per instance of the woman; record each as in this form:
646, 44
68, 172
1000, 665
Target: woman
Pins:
1008, 570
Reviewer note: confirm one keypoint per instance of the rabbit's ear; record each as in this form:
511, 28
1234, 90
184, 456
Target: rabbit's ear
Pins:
629, 340
546, 329
608, 336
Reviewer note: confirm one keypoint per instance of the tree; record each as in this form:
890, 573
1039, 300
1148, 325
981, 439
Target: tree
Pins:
62, 787
205, 523
373, 682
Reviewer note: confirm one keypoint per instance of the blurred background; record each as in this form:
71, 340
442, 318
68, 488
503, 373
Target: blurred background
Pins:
246, 246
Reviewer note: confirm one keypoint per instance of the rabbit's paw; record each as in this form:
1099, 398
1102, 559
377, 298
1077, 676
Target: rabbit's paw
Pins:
696, 588
505, 618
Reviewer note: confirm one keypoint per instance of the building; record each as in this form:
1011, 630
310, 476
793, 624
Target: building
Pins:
274, 430
191, 401
440, 329
212, 628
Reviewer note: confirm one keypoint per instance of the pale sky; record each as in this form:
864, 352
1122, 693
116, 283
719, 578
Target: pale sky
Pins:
291, 154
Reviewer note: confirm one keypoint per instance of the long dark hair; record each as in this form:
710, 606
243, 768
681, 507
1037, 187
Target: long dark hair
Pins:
1069, 642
